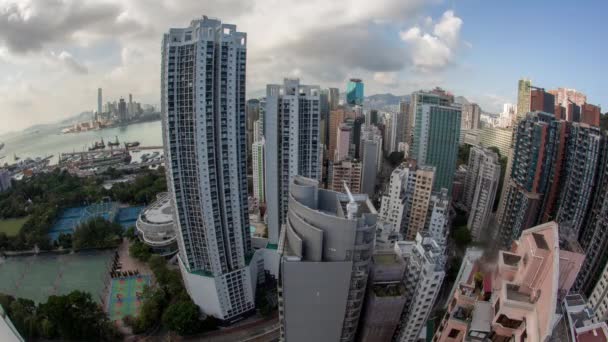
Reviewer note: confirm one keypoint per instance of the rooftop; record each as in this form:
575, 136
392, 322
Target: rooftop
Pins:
510, 259
385, 259
593, 335
540, 241
482, 316
159, 212
514, 294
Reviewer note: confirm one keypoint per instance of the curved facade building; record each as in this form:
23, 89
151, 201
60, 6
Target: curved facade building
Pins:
327, 248
156, 228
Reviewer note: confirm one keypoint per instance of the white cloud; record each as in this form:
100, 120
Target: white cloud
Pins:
66, 59
436, 50
322, 42
386, 78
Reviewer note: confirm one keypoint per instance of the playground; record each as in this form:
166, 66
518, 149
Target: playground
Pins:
126, 296
70, 218
38, 277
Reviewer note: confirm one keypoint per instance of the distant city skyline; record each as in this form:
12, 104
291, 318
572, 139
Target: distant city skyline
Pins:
53, 65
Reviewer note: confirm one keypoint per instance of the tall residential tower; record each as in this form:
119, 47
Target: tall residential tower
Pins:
293, 144
203, 108
436, 134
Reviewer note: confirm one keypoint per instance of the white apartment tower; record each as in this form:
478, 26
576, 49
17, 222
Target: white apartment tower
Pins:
439, 217
257, 159
292, 119
405, 205
371, 158
423, 277
203, 107
598, 300
481, 184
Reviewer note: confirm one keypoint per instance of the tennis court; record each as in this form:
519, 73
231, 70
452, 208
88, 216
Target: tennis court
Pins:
128, 216
70, 218
38, 277
124, 298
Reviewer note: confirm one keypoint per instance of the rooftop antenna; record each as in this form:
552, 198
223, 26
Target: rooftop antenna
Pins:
352, 207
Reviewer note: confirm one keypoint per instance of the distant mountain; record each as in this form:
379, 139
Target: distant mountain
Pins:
381, 101
84, 116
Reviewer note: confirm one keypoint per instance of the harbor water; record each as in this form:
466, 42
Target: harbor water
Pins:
50, 141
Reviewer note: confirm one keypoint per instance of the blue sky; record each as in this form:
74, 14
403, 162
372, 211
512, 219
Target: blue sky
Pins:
555, 43
55, 54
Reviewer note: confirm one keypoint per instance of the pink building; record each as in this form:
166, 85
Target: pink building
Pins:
343, 142
516, 297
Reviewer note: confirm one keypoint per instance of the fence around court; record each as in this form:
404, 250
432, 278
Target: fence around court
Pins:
70, 218
38, 277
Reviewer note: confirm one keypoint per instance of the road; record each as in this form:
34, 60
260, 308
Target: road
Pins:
266, 330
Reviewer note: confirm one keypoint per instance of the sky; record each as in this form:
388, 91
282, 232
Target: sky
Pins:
54, 54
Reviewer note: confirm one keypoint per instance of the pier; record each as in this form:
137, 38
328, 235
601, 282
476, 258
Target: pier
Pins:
116, 150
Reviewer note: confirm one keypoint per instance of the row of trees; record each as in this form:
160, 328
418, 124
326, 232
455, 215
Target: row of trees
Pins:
72, 317
44, 195
168, 304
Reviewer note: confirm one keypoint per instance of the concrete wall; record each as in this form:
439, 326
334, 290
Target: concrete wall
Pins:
314, 295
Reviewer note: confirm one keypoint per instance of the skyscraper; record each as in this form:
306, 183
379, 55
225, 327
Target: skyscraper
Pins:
292, 133
257, 159
336, 119
328, 246
99, 101
334, 98
354, 92
436, 134
438, 218
425, 270
471, 113
481, 184
371, 158
131, 108
405, 205
253, 115
346, 171
203, 109
404, 128
122, 110
582, 157
523, 98
391, 132
534, 182
343, 142
594, 233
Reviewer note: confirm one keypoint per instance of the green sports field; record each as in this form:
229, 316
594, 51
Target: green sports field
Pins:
123, 296
11, 227
38, 277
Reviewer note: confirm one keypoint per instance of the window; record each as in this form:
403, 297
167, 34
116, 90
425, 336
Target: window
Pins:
454, 333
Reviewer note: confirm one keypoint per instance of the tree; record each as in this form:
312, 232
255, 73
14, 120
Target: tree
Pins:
23, 316
396, 158
77, 317
463, 154
462, 237
130, 233
182, 317
151, 309
140, 251
64, 240
97, 233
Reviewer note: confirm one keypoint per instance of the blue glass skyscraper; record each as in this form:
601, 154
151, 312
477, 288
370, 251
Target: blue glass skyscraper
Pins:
354, 92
